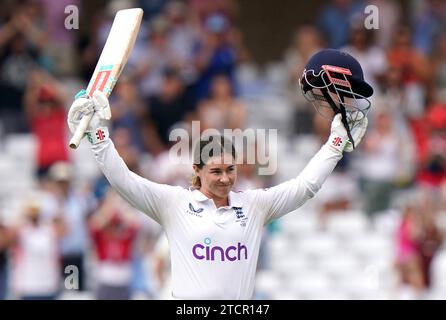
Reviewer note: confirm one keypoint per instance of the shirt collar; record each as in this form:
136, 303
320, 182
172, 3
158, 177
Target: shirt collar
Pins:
198, 195
235, 199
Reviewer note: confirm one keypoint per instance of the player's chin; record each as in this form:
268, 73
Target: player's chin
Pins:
223, 190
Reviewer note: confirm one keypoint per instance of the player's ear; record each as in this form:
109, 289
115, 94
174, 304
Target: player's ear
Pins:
196, 170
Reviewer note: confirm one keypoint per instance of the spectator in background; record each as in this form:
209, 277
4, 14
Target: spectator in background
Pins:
336, 19
128, 110
36, 260
380, 162
152, 8
160, 167
398, 97
439, 66
35, 27
91, 43
373, 58
154, 57
182, 38
113, 229
26, 20
45, 111
397, 100
20, 51
214, 54
429, 25
339, 194
130, 154
5, 242
89, 47
142, 286
163, 170
200, 10
74, 207
389, 17
431, 144
403, 55
237, 40
408, 260
306, 42
431, 237
221, 110
61, 41
416, 74
419, 239
171, 105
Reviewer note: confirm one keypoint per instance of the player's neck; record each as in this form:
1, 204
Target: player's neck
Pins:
218, 201
221, 202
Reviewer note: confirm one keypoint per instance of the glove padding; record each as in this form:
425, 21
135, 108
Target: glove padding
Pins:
339, 140
85, 106
358, 130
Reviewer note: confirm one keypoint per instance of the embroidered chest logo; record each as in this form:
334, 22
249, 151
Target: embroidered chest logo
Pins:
240, 216
195, 212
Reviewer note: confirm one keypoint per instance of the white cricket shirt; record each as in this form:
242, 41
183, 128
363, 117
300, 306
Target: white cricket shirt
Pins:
213, 251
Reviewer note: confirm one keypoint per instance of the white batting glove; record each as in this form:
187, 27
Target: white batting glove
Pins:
97, 130
338, 139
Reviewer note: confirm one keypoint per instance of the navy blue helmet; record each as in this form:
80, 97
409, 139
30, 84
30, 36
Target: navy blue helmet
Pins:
333, 81
336, 58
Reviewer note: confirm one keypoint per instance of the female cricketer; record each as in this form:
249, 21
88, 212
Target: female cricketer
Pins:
214, 233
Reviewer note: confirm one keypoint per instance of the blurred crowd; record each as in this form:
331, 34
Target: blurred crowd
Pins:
185, 66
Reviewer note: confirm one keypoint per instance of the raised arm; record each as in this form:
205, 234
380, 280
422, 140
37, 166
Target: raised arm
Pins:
292, 194
331, 80
146, 196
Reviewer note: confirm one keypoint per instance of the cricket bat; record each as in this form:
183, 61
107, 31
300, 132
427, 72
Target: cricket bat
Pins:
115, 53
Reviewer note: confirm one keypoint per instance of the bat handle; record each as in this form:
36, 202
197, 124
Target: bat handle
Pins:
80, 131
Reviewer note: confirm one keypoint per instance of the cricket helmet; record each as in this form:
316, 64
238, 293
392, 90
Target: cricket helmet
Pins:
333, 81
348, 69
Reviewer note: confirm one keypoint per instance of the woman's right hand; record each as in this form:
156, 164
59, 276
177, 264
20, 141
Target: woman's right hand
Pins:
83, 106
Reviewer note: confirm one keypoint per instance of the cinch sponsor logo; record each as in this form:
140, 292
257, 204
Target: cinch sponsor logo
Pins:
212, 253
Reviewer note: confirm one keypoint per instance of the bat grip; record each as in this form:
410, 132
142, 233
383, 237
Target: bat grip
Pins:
80, 131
